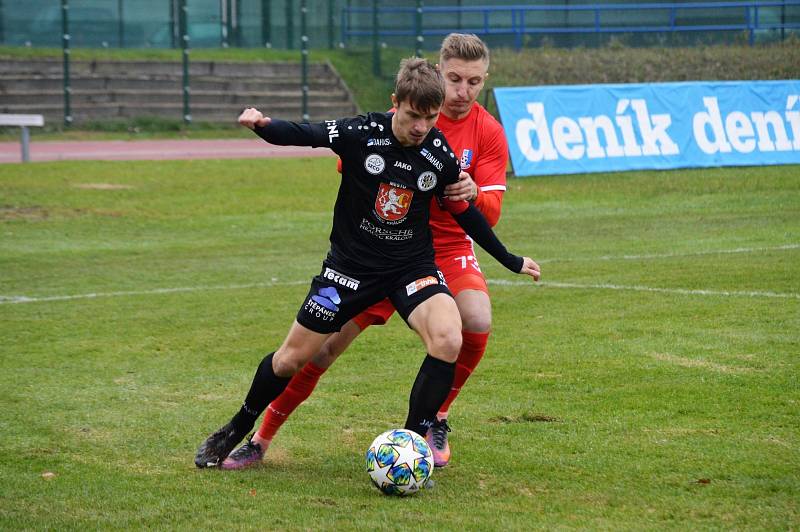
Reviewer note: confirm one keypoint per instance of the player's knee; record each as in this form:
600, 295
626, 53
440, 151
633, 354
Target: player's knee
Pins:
287, 363
445, 344
326, 356
477, 322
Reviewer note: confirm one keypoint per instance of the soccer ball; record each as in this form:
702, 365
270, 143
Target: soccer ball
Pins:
399, 462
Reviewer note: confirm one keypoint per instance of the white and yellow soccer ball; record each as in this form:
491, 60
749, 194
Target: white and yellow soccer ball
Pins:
399, 462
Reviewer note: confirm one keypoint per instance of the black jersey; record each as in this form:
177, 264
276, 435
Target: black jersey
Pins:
382, 210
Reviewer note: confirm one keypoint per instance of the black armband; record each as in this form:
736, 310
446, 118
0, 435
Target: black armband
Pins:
476, 226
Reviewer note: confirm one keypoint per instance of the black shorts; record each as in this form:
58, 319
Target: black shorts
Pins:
336, 295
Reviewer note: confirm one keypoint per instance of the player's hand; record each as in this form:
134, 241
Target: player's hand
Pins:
252, 117
529, 267
464, 189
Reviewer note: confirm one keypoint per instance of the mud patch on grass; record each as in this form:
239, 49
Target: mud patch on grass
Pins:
33, 213
527, 417
700, 363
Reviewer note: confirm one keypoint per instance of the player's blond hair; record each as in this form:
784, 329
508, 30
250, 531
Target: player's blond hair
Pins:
419, 83
464, 46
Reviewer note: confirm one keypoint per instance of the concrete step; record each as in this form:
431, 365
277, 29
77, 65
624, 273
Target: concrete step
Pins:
200, 112
106, 90
199, 83
153, 68
176, 95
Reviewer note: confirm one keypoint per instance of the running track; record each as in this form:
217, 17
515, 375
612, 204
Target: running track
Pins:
122, 150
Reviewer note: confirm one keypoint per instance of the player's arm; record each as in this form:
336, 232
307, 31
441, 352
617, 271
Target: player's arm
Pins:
475, 225
489, 202
285, 133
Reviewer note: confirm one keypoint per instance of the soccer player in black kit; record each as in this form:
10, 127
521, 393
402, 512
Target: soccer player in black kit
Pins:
393, 165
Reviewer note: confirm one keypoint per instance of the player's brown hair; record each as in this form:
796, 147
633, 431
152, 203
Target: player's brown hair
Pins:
419, 83
464, 46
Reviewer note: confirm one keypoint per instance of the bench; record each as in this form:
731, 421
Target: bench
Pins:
24, 122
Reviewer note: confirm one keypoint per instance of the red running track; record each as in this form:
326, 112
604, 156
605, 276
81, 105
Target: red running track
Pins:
137, 150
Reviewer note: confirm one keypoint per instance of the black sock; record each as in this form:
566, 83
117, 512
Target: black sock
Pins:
433, 383
266, 387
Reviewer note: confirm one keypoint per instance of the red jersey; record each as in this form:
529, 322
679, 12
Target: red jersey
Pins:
480, 144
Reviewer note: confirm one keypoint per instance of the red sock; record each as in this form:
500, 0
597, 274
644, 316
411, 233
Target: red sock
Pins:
473, 346
297, 391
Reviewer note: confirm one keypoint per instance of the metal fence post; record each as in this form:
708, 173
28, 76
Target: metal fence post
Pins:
330, 24
183, 23
266, 23
418, 29
65, 55
120, 24
304, 56
289, 24
2, 24
237, 23
376, 51
225, 22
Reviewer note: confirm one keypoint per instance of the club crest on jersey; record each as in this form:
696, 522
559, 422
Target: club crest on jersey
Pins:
374, 164
466, 158
426, 181
392, 202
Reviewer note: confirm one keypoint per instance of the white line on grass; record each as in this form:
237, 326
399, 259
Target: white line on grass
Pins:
501, 282
95, 295
672, 255
635, 288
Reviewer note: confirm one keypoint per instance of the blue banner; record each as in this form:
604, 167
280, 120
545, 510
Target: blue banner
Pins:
571, 129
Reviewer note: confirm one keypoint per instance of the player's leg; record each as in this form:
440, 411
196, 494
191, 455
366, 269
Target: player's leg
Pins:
468, 285
271, 377
303, 383
475, 309
298, 390
437, 322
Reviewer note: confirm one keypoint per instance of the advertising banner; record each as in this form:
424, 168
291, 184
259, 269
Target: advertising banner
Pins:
571, 129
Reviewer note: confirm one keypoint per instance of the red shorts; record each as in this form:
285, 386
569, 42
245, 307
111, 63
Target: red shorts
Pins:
461, 271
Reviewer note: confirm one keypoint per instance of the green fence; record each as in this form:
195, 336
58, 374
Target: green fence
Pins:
331, 23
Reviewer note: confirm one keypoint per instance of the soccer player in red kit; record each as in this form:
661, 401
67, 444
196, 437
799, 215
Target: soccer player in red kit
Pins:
479, 142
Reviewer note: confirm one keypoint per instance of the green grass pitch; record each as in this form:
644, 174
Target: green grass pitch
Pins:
649, 382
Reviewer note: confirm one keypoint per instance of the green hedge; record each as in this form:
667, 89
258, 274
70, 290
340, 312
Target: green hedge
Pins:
616, 64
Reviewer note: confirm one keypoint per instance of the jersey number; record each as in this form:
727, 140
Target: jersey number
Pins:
468, 260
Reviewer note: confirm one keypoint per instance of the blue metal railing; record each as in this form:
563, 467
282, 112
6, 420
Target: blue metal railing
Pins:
748, 20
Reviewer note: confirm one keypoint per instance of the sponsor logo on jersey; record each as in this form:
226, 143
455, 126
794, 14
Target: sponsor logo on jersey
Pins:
426, 181
386, 234
328, 297
466, 158
433, 160
393, 202
401, 164
338, 278
379, 142
419, 284
437, 142
330, 125
324, 304
374, 164
441, 278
